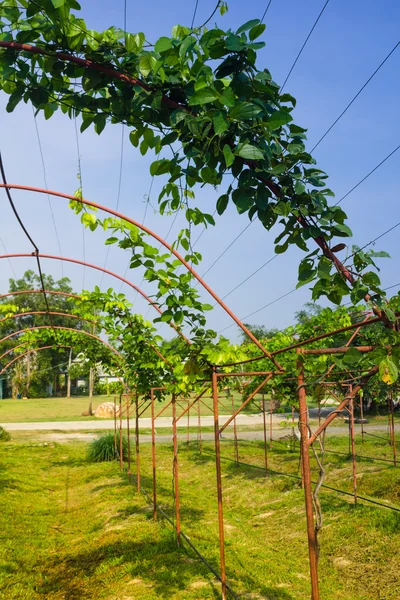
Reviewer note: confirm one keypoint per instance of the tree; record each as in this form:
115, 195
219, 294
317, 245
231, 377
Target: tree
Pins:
309, 310
259, 331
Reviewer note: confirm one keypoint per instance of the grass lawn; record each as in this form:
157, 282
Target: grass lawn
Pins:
71, 409
73, 530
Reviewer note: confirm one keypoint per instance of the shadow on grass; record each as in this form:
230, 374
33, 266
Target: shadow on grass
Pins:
160, 566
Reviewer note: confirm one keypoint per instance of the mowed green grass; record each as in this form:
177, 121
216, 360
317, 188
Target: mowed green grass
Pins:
73, 530
71, 409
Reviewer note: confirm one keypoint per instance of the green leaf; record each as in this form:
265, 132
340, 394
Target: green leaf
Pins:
243, 199
279, 118
248, 25
299, 188
352, 357
203, 96
344, 229
229, 156
250, 152
222, 203
163, 44
146, 64
58, 3
111, 240
256, 31
244, 110
220, 124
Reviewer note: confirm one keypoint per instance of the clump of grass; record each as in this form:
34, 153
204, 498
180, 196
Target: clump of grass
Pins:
103, 450
4, 435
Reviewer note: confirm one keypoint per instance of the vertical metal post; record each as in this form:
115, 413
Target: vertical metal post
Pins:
176, 473
353, 449
121, 449
137, 442
128, 434
236, 447
153, 456
270, 426
115, 427
199, 427
305, 459
393, 438
219, 483
265, 439
188, 426
319, 412
293, 434
362, 416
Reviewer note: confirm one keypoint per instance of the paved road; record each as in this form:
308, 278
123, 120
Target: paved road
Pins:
144, 423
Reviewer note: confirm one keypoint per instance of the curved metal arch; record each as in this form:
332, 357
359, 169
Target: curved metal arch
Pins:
54, 292
92, 335
162, 242
45, 312
103, 270
50, 312
11, 362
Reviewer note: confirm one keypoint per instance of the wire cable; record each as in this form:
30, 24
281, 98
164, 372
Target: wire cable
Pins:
366, 176
36, 252
355, 97
304, 44
118, 195
194, 14
9, 260
81, 186
265, 11
47, 187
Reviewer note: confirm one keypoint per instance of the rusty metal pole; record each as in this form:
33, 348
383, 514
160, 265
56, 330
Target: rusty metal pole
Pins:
353, 448
393, 429
128, 434
293, 434
219, 482
153, 456
270, 426
188, 428
115, 427
305, 459
236, 447
265, 440
121, 449
137, 442
176, 473
199, 427
362, 417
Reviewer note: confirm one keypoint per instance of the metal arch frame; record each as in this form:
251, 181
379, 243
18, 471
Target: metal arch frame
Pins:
37, 350
53, 292
92, 335
162, 242
72, 316
98, 268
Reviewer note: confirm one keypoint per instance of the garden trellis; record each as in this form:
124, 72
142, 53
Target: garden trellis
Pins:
228, 118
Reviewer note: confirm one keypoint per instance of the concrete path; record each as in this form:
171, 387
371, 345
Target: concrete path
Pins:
144, 423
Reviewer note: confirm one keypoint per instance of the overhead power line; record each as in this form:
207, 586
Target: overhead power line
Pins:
9, 260
367, 175
265, 11
355, 97
36, 249
47, 187
304, 44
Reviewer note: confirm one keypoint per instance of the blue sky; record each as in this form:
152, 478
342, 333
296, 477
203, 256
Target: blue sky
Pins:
349, 42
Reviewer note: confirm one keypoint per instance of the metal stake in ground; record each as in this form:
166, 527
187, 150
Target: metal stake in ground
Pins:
219, 483
137, 442
353, 448
128, 405
176, 472
121, 449
153, 455
265, 438
115, 427
305, 459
